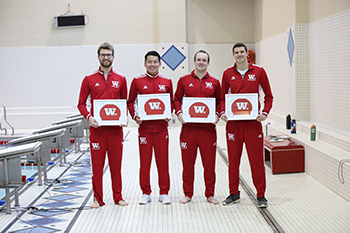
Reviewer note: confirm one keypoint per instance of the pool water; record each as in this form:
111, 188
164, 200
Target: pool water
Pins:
27, 171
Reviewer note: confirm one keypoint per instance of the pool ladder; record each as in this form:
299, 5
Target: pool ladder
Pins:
3, 117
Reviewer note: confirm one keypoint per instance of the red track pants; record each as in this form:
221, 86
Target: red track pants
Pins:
159, 141
192, 138
250, 133
102, 140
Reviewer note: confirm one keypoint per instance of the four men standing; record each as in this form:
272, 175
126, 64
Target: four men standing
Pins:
153, 134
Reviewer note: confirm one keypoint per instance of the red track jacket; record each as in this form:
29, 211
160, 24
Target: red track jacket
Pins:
191, 86
254, 78
149, 84
97, 87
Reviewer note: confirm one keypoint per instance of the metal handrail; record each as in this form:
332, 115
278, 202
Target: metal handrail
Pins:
3, 115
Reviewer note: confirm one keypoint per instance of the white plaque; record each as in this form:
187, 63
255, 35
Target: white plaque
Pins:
108, 112
199, 110
154, 106
241, 106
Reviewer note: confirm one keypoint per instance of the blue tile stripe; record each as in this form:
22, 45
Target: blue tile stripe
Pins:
60, 207
290, 47
37, 198
77, 214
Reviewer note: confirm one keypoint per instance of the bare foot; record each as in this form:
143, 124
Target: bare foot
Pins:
95, 205
122, 203
212, 200
185, 200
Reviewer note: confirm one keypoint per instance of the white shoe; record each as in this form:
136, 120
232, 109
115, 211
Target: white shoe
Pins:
164, 199
145, 199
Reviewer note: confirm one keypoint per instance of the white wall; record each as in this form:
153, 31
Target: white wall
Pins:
30, 23
272, 55
322, 9
315, 89
41, 85
330, 71
220, 21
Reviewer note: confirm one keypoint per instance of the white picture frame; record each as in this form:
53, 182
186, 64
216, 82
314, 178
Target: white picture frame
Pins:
154, 106
241, 106
199, 110
110, 112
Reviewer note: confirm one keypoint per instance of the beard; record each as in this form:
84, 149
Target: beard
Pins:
106, 63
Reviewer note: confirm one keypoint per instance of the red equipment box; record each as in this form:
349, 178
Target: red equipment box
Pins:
285, 156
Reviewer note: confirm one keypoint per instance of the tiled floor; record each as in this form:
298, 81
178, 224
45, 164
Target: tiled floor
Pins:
297, 202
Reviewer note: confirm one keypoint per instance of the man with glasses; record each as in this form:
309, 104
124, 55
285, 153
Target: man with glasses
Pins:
105, 83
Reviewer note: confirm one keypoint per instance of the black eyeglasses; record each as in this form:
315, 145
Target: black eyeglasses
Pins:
107, 55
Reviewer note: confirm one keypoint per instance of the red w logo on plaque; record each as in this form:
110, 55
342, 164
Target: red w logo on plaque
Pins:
110, 112
241, 107
154, 107
199, 110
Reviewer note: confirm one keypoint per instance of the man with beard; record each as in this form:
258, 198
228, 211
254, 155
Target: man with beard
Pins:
153, 134
105, 83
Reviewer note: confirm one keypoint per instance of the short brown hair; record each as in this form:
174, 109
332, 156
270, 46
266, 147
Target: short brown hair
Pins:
201, 51
105, 45
239, 44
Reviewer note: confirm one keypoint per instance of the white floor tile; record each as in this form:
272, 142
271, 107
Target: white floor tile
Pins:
298, 202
